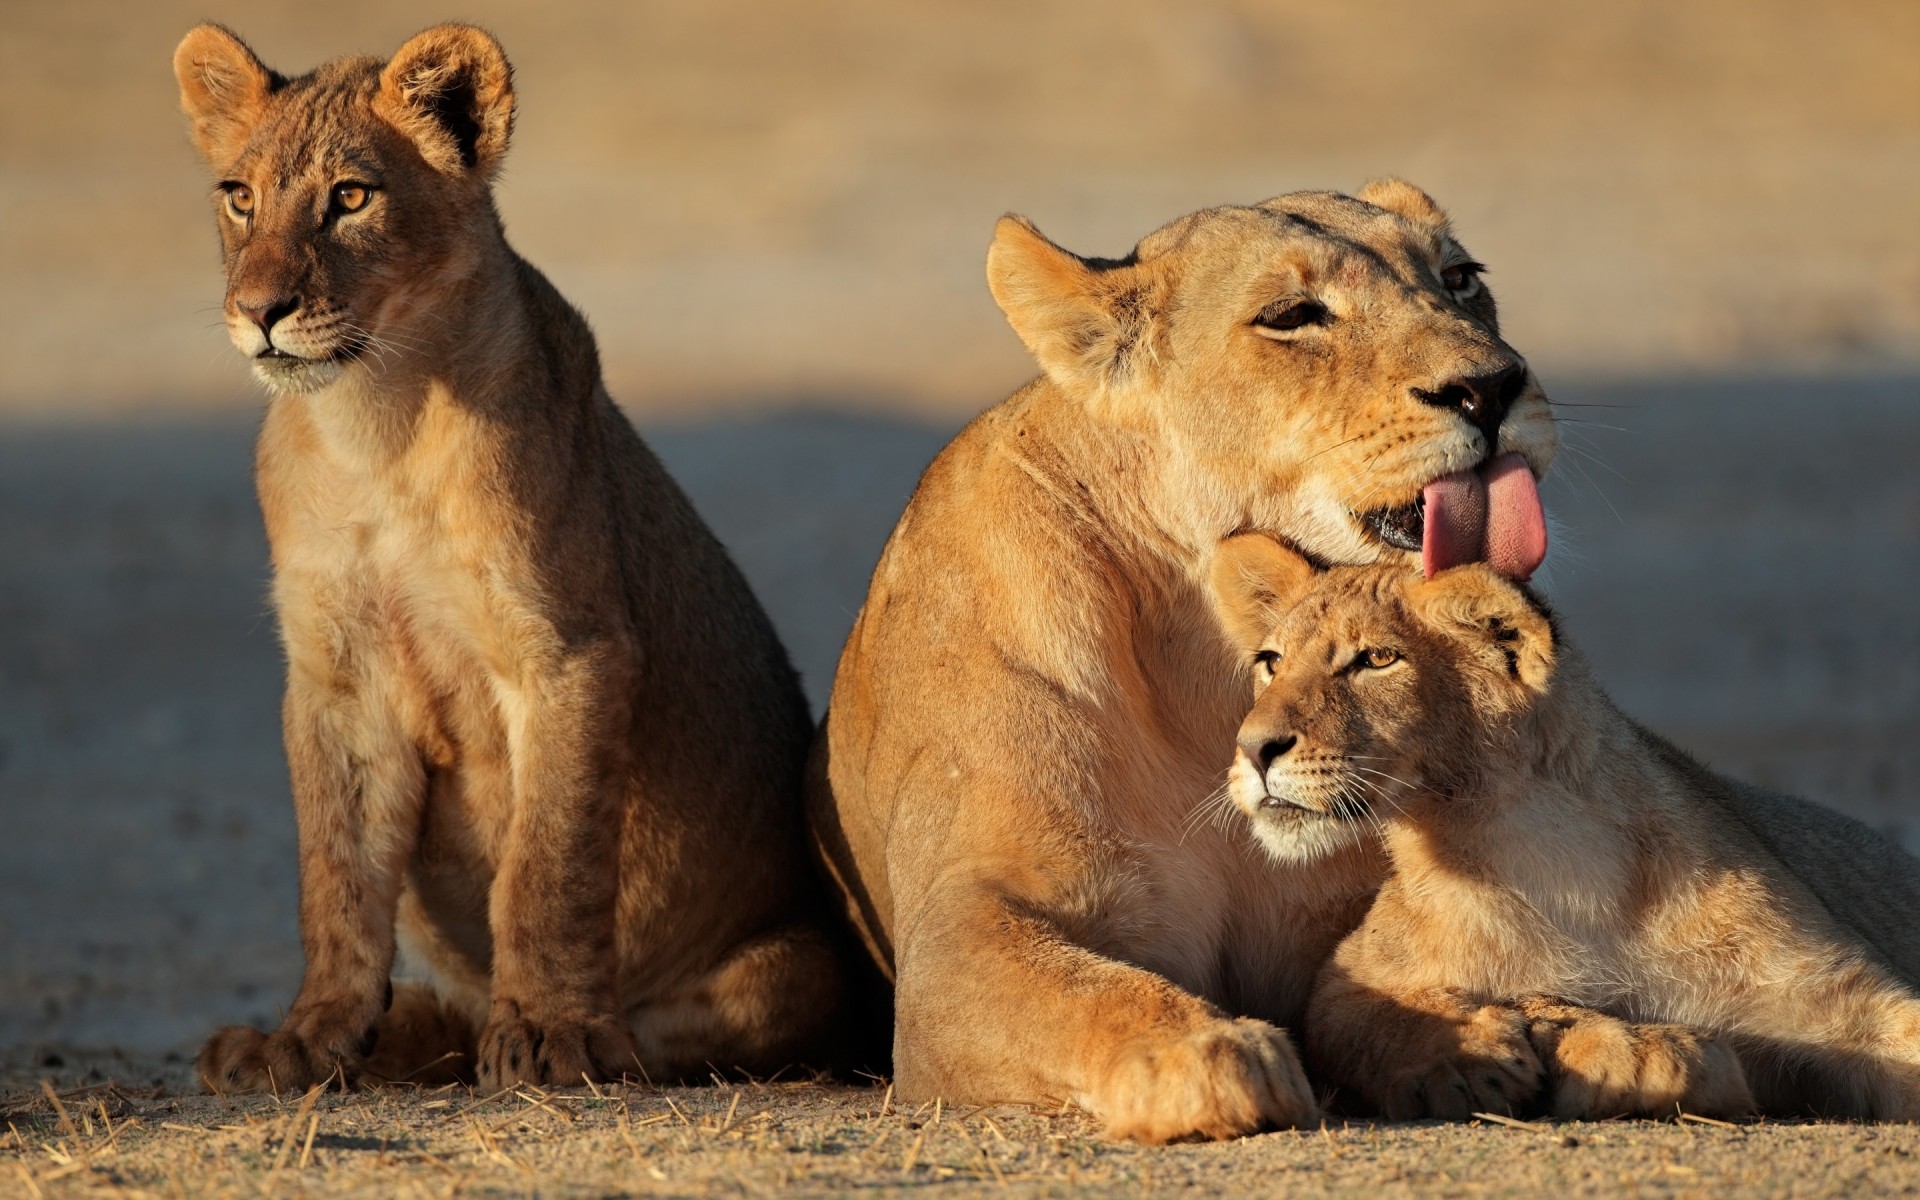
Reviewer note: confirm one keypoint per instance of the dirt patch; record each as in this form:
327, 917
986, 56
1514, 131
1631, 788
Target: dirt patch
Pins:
133, 1132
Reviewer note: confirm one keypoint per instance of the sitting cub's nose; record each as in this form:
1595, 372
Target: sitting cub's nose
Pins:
1482, 399
1264, 749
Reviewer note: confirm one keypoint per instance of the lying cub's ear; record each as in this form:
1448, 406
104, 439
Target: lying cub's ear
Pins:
1254, 581
1473, 601
1089, 322
1399, 196
223, 88
450, 89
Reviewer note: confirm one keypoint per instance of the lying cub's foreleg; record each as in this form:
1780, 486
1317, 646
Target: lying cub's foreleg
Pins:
1599, 1066
357, 789
1431, 1052
555, 1015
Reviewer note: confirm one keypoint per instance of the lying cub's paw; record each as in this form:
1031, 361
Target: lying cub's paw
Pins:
1229, 1079
239, 1059
1604, 1067
1484, 1063
558, 1052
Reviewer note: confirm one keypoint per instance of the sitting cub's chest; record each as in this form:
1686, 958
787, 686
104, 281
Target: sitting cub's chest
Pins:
407, 602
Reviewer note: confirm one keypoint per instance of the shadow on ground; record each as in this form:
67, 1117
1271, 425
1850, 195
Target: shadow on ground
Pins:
1738, 558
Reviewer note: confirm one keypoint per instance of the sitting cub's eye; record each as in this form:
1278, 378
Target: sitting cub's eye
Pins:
239, 200
351, 197
1377, 657
1285, 316
1462, 277
1265, 661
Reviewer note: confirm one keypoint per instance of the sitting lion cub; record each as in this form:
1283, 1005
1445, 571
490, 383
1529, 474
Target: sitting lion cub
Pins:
543, 741
1573, 902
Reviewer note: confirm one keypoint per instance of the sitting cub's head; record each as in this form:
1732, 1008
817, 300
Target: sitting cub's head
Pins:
1373, 685
1329, 367
349, 200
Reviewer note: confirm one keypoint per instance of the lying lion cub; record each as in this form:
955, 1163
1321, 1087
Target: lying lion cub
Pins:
1572, 900
543, 741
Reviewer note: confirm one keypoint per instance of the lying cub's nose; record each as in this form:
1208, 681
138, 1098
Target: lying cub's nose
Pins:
1482, 399
1263, 750
267, 312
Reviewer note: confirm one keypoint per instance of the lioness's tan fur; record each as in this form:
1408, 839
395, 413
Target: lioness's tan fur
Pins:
543, 741
1031, 708
1573, 902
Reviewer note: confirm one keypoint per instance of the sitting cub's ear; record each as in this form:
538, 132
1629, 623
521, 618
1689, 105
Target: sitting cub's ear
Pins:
1399, 196
223, 89
1089, 323
450, 90
1475, 602
1254, 581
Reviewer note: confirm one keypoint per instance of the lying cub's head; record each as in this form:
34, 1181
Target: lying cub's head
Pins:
1316, 363
1373, 685
349, 200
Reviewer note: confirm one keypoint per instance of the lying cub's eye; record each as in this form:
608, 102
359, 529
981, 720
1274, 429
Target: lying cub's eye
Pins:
1377, 657
1462, 277
239, 201
351, 197
1285, 316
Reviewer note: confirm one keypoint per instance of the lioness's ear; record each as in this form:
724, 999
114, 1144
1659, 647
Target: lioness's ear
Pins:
1399, 196
1474, 601
1086, 322
450, 89
1254, 581
223, 88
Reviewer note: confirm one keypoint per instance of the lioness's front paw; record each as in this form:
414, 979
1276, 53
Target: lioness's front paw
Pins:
1233, 1078
239, 1059
1485, 1063
1604, 1067
554, 1051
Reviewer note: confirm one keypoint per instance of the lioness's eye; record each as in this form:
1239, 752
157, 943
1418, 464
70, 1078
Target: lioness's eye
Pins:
1284, 316
239, 200
351, 197
1461, 277
1377, 657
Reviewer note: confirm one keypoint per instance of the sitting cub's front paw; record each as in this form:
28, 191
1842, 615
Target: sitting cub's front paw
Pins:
1483, 1063
564, 1052
1227, 1080
239, 1059
1604, 1067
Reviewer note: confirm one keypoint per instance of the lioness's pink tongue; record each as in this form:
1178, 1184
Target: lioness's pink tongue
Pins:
1490, 514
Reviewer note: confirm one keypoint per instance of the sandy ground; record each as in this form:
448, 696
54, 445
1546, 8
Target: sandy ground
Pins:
806, 1139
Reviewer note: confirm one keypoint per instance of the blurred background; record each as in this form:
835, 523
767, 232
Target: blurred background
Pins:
1701, 219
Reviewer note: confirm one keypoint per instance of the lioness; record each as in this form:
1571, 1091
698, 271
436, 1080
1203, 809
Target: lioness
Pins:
537, 725
1572, 900
1034, 700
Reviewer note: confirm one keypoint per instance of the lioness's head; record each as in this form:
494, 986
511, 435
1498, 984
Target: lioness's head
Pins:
347, 199
1373, 685
1330, 365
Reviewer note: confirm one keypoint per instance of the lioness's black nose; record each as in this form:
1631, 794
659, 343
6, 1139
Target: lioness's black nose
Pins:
268, 312
1263, 749
1482, 399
